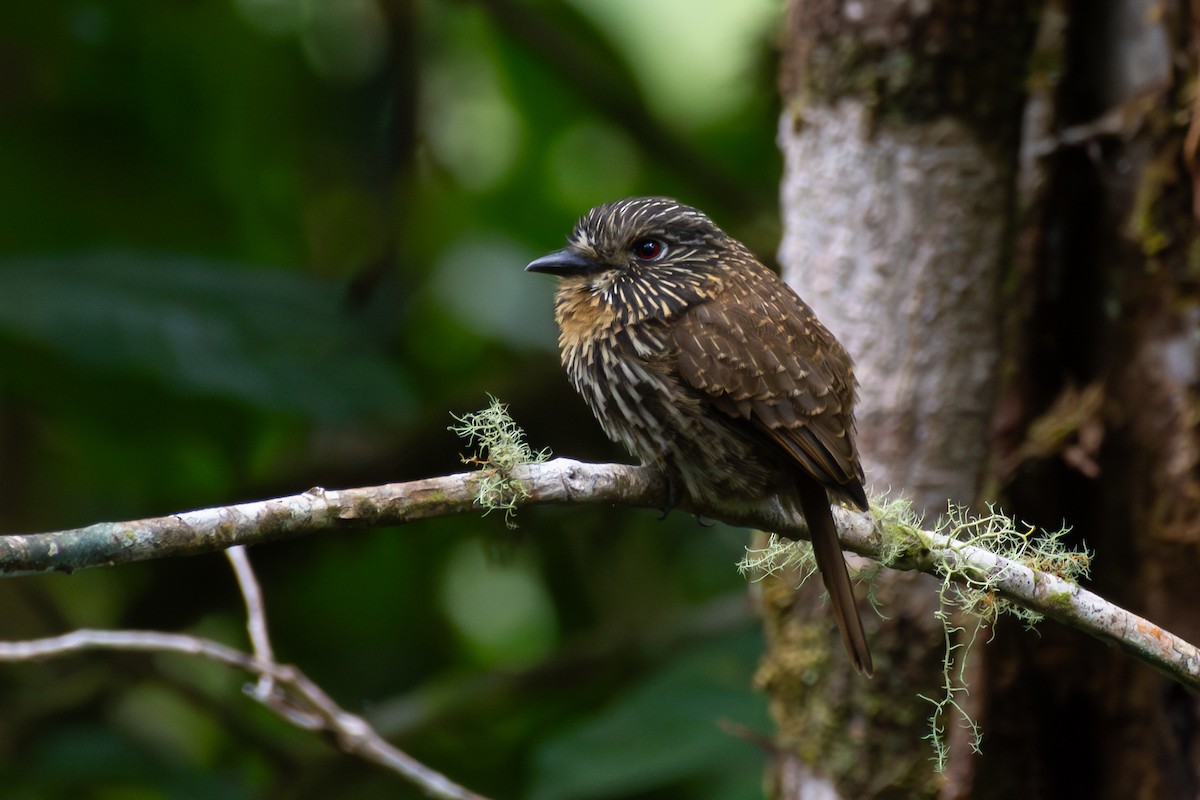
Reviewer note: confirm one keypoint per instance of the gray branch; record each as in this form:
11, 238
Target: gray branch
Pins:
567, 481
282, 688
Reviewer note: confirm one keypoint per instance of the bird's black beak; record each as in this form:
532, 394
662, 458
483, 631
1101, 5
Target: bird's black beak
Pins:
564, 263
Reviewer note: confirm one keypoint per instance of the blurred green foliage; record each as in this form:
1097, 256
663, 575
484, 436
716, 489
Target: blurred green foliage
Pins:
252, 246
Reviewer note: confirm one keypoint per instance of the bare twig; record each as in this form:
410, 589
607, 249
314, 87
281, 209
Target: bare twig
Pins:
355, 736
282, 688
256, 617
305, 704
83, 640
566, 481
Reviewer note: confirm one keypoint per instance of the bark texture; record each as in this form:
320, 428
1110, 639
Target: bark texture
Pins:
1099, 423
996, 211
896, 238
899, 134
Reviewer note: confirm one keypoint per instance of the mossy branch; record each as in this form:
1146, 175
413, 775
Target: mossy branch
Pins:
561, 481
965, 592
1022, 580
500, 447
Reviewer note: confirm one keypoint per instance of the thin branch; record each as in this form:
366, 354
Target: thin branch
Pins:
83, 640
355, 736
282, 688
1059, 599
566, 481
316, 710
315, 511
256, 617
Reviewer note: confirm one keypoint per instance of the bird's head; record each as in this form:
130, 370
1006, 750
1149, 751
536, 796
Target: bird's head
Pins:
649, 253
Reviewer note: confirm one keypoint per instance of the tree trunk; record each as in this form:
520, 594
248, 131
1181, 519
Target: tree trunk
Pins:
992, 206
1099, 423
899, 134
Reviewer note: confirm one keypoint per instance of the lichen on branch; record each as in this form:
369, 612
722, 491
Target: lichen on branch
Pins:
500, 447
968, 591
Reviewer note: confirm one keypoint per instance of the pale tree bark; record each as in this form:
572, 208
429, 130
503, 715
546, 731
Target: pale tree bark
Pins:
899, 133
993, 207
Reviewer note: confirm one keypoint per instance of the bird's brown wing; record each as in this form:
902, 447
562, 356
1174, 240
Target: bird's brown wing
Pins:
760, 354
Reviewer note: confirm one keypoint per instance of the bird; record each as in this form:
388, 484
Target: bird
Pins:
704, 363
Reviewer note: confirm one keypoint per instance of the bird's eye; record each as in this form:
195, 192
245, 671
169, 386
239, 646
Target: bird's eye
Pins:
649, 249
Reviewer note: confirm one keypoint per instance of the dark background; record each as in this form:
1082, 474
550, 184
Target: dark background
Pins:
252, 246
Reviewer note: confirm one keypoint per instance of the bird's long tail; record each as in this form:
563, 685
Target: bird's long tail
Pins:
814, 503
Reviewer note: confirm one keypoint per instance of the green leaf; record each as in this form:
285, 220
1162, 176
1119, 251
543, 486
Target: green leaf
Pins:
272, 339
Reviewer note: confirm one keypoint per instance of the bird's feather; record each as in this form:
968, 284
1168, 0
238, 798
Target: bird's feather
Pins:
702, 361
801, 397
